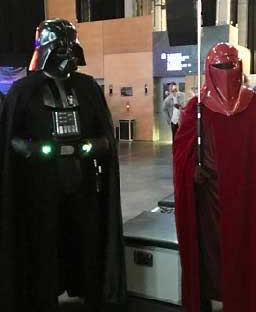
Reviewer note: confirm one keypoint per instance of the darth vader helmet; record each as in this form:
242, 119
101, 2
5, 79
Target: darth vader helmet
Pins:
57, 49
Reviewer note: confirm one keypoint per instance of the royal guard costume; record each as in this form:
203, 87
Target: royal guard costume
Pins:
61, 224
215, 202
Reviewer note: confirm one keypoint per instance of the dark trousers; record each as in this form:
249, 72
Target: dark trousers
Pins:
64, 241
205, 305
174, 129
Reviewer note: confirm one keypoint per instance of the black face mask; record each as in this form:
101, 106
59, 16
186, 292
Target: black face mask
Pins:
60, 64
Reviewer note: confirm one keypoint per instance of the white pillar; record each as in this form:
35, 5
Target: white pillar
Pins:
128, 8
222, 12
242, 20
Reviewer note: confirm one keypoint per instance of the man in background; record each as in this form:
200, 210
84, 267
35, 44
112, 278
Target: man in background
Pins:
172, 106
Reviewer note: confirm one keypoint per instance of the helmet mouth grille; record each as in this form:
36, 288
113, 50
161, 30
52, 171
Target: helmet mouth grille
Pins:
225, 66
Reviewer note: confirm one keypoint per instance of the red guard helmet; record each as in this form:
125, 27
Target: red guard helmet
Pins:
223, 91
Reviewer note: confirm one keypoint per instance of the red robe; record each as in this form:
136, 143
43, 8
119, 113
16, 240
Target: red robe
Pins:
233, 140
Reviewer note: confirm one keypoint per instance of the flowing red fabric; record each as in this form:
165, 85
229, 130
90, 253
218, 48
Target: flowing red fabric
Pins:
235, 149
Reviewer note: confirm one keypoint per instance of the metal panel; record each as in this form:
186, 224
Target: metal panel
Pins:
161, 281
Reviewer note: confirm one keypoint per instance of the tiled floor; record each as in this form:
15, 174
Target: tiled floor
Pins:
146, 175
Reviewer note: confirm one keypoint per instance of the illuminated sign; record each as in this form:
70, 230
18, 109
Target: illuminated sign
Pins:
172, 61
175, 61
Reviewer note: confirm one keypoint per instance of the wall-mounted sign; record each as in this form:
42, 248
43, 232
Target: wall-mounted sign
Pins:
179, 61
172, 61
175, 61
126, 91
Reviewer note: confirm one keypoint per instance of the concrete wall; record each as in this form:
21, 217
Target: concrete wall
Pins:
191, 86
252, 80
63, 9
245, 55
120, 52
90, 36
128, 62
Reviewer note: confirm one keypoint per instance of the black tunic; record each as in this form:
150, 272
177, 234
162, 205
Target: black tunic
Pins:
53, 240
208, 210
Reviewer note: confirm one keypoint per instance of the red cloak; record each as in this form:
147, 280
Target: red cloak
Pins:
234, 143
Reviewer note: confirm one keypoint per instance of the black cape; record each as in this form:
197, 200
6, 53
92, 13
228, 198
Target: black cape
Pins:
19, 221
1, 102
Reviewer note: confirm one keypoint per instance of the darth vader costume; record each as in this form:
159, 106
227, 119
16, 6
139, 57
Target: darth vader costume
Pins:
60, 225
1, 102
215, 202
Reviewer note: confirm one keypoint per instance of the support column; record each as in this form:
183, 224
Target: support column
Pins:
223, 12
243, 22
128, 8
46, 9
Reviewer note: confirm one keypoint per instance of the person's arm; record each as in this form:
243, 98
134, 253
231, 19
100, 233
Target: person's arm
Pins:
167, 110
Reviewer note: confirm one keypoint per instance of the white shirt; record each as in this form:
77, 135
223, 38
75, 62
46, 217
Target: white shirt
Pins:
176, 112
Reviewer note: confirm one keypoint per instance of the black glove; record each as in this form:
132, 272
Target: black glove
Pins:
21, 147
97, 147
28, 150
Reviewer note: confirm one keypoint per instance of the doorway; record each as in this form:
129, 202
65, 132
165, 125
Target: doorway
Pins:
160, 92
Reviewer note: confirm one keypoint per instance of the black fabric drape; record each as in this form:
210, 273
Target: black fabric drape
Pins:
18, 22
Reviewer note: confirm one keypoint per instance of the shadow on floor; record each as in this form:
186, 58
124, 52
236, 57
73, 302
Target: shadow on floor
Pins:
146, 305
76, 305
71, 307
134, 305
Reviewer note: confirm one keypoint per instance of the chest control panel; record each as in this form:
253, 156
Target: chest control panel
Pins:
66, 123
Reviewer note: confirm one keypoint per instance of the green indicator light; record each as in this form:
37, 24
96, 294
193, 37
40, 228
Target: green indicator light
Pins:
86, 147
46, 149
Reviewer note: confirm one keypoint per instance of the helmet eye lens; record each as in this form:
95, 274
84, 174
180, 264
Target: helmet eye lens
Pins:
225, 66
47, 36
